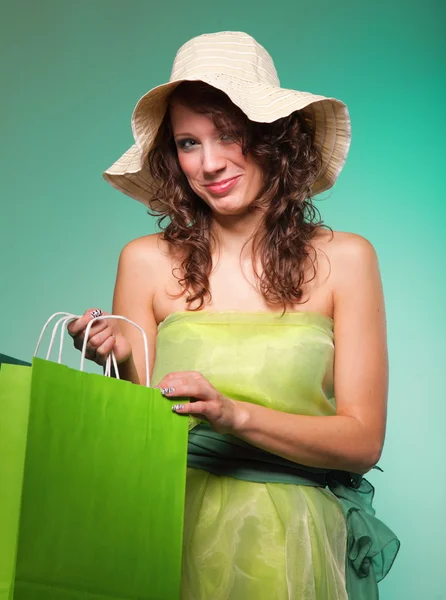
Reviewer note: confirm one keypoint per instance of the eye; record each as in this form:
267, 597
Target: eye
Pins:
186, 144
227, 138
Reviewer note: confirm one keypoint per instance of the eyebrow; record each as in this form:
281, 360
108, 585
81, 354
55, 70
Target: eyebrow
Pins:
183, 135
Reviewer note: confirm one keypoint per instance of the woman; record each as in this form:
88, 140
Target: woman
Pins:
244, 296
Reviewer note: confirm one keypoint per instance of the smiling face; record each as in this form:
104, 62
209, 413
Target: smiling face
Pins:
213, 163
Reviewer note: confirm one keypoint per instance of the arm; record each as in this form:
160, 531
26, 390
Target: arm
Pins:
352, 439
132, 298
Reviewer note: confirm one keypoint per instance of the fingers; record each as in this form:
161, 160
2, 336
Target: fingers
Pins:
190, 384
77, 326
191, 408
186, 388
206, 403
101, 345
104, 349
98, 350
97, 339
101, 339
96, 329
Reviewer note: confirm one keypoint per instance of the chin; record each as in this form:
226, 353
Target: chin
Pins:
230, 210
229, 206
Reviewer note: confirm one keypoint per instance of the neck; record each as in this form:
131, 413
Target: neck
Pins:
234, 233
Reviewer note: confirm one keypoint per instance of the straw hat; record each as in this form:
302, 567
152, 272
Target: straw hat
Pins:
237, 65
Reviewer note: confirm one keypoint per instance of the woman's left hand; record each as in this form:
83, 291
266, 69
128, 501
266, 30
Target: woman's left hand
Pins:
206, 402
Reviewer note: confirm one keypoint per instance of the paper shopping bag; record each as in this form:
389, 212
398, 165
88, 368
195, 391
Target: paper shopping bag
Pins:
102, 500
5, 359
15, 388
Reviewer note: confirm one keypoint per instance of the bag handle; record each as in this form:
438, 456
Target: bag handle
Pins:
113, 358
66, 316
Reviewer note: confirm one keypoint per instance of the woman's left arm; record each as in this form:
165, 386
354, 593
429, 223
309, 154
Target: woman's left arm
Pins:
351, 440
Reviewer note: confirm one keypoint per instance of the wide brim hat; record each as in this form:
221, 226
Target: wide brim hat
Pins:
236, 64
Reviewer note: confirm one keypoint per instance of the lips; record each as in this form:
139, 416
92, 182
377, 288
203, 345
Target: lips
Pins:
221, 187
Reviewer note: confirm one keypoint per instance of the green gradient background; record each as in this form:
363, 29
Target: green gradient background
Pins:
71, 74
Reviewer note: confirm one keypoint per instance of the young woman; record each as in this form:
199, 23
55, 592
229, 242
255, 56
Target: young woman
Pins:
269, 322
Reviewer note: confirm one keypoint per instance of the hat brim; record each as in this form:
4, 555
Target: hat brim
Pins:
328, 117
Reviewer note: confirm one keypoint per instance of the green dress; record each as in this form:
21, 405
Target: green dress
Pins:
248, 538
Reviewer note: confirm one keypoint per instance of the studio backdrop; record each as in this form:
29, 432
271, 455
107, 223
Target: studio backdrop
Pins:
71, 75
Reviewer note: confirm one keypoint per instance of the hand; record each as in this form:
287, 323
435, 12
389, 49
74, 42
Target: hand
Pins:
104, 337
206, 402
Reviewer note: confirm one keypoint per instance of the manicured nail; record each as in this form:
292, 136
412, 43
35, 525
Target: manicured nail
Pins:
177, 407
169, 390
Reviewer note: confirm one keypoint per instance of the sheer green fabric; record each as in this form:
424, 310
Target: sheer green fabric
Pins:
371, 545
256, 528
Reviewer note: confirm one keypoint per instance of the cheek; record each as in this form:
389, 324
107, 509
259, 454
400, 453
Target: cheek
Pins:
188, 164
250, 166
255, 171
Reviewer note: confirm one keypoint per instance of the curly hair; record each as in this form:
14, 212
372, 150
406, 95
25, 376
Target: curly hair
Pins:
290, 162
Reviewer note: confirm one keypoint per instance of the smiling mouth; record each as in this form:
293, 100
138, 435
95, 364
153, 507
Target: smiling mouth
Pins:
221, 187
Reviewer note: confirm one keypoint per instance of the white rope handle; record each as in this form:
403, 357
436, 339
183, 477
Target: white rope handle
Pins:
63, 322
44, 328
107, 369
115, 365
110, 357
113, 358
63, 329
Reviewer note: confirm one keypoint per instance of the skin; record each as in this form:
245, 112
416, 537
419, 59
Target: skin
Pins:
347, 288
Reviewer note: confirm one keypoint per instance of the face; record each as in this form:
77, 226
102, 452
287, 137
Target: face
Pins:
214, 164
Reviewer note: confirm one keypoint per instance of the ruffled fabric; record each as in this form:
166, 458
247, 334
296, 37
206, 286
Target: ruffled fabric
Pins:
371, 546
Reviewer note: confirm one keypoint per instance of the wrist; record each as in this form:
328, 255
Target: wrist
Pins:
241, 416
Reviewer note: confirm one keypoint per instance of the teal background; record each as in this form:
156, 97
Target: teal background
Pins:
71, 73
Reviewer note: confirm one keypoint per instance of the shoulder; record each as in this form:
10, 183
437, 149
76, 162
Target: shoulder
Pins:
147, 251
142, 266
345, 249
147, 245
350, 262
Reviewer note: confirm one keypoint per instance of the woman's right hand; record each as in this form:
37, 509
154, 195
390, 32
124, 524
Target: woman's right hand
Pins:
104, 337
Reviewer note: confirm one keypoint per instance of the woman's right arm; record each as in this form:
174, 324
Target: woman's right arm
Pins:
133, 298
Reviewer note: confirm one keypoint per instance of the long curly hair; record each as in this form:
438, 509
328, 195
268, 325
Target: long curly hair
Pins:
290, 162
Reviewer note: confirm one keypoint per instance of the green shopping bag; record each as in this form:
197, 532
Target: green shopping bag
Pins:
102, 499
11, 360
15, 387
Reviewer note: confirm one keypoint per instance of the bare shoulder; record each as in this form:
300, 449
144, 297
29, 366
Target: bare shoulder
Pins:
146, 248
149, 252
343, 245
347, 253
355, 275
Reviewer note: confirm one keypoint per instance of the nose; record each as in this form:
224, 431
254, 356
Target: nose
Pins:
213, 160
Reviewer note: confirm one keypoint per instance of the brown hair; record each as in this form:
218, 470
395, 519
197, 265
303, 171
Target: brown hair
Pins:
291, 163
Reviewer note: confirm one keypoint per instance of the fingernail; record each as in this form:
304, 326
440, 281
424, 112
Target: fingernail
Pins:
156, 387
176, 407
169, 390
